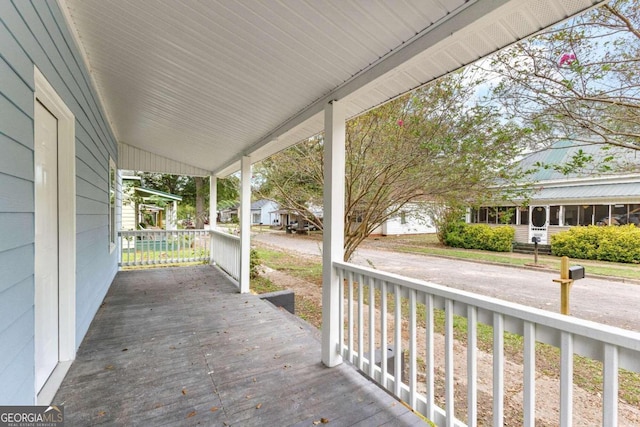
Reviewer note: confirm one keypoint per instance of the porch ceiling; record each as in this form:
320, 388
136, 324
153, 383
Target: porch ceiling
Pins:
204, 83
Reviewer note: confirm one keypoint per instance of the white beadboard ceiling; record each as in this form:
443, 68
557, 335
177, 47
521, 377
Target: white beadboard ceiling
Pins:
201, 83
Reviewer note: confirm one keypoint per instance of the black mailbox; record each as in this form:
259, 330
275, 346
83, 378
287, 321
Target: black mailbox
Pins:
535, 239
576, 272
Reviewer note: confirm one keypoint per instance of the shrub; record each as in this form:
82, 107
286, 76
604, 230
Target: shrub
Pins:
254, 263
617, 244
479, 236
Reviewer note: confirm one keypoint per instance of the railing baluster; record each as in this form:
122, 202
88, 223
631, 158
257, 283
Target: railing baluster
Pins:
448, 363
610, 386
498, 369
413, 353
397, 319
566, 379
360, 321
430, 369
529, 380
383, 334
350, 316
341, 296
472, 366
372, 328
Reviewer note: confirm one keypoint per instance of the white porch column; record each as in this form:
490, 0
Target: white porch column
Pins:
333, 226
245, 222
213, 201
213, 213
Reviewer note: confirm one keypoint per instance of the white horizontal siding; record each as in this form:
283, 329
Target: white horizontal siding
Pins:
132, 158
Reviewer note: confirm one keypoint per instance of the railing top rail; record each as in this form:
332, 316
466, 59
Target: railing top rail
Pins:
225, 235
609, 334
151, 230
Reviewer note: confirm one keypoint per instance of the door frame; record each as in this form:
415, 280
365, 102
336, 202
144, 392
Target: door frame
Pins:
47, 96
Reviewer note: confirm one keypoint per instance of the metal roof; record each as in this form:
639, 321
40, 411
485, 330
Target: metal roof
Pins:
561, 153
159, 194
610, 193
195, 85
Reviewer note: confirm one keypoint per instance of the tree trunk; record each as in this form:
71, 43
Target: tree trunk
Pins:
199, 203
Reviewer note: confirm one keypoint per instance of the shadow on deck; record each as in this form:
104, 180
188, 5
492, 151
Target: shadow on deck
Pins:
180, 346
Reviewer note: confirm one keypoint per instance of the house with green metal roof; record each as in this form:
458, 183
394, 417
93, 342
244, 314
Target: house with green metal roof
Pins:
574, 184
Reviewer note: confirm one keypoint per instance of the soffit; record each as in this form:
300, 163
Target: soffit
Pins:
205, 82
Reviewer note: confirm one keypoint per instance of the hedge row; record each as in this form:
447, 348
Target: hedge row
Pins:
479, 236
617, 244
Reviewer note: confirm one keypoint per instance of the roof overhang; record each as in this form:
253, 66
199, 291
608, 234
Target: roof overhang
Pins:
191, 87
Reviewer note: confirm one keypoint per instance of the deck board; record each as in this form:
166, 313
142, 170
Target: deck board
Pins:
180, 346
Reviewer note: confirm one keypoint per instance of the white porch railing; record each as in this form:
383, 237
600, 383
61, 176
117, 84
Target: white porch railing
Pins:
379, 307
225, 252
157, 247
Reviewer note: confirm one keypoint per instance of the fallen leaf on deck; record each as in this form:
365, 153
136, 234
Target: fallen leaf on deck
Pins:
108, 367
125, 349
191, 414
324, 420
184, 391
315, 423
259, 405
102, 413
213, 409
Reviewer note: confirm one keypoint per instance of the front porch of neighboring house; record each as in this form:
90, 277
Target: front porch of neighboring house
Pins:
146, 208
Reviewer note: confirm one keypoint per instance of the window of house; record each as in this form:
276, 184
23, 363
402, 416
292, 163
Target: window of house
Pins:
524, 215
585, 215
554, 215
112, 205
570, 215
506, 215
403, 217
492, 215
601, 213
482, 215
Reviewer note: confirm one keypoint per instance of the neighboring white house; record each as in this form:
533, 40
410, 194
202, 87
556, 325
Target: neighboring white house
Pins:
263, 212
157, 208
561, 201
413, 218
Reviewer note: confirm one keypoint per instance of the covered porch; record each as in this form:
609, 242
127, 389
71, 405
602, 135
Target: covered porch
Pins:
184, 346
181, 346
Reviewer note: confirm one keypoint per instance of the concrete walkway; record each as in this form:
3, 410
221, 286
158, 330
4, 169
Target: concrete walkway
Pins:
605, 301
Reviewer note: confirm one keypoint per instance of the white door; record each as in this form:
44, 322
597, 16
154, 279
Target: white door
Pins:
538, 222
46, 244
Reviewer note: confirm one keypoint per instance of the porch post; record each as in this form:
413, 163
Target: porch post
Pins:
245, 222
213, 212
333, 228
213, 201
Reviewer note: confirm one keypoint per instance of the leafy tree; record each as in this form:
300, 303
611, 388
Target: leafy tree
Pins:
577, 81
436, 145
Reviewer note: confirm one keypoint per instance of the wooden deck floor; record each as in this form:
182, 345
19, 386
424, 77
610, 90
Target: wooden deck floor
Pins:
180, 346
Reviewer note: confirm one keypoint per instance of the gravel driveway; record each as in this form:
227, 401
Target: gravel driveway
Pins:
605, 301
